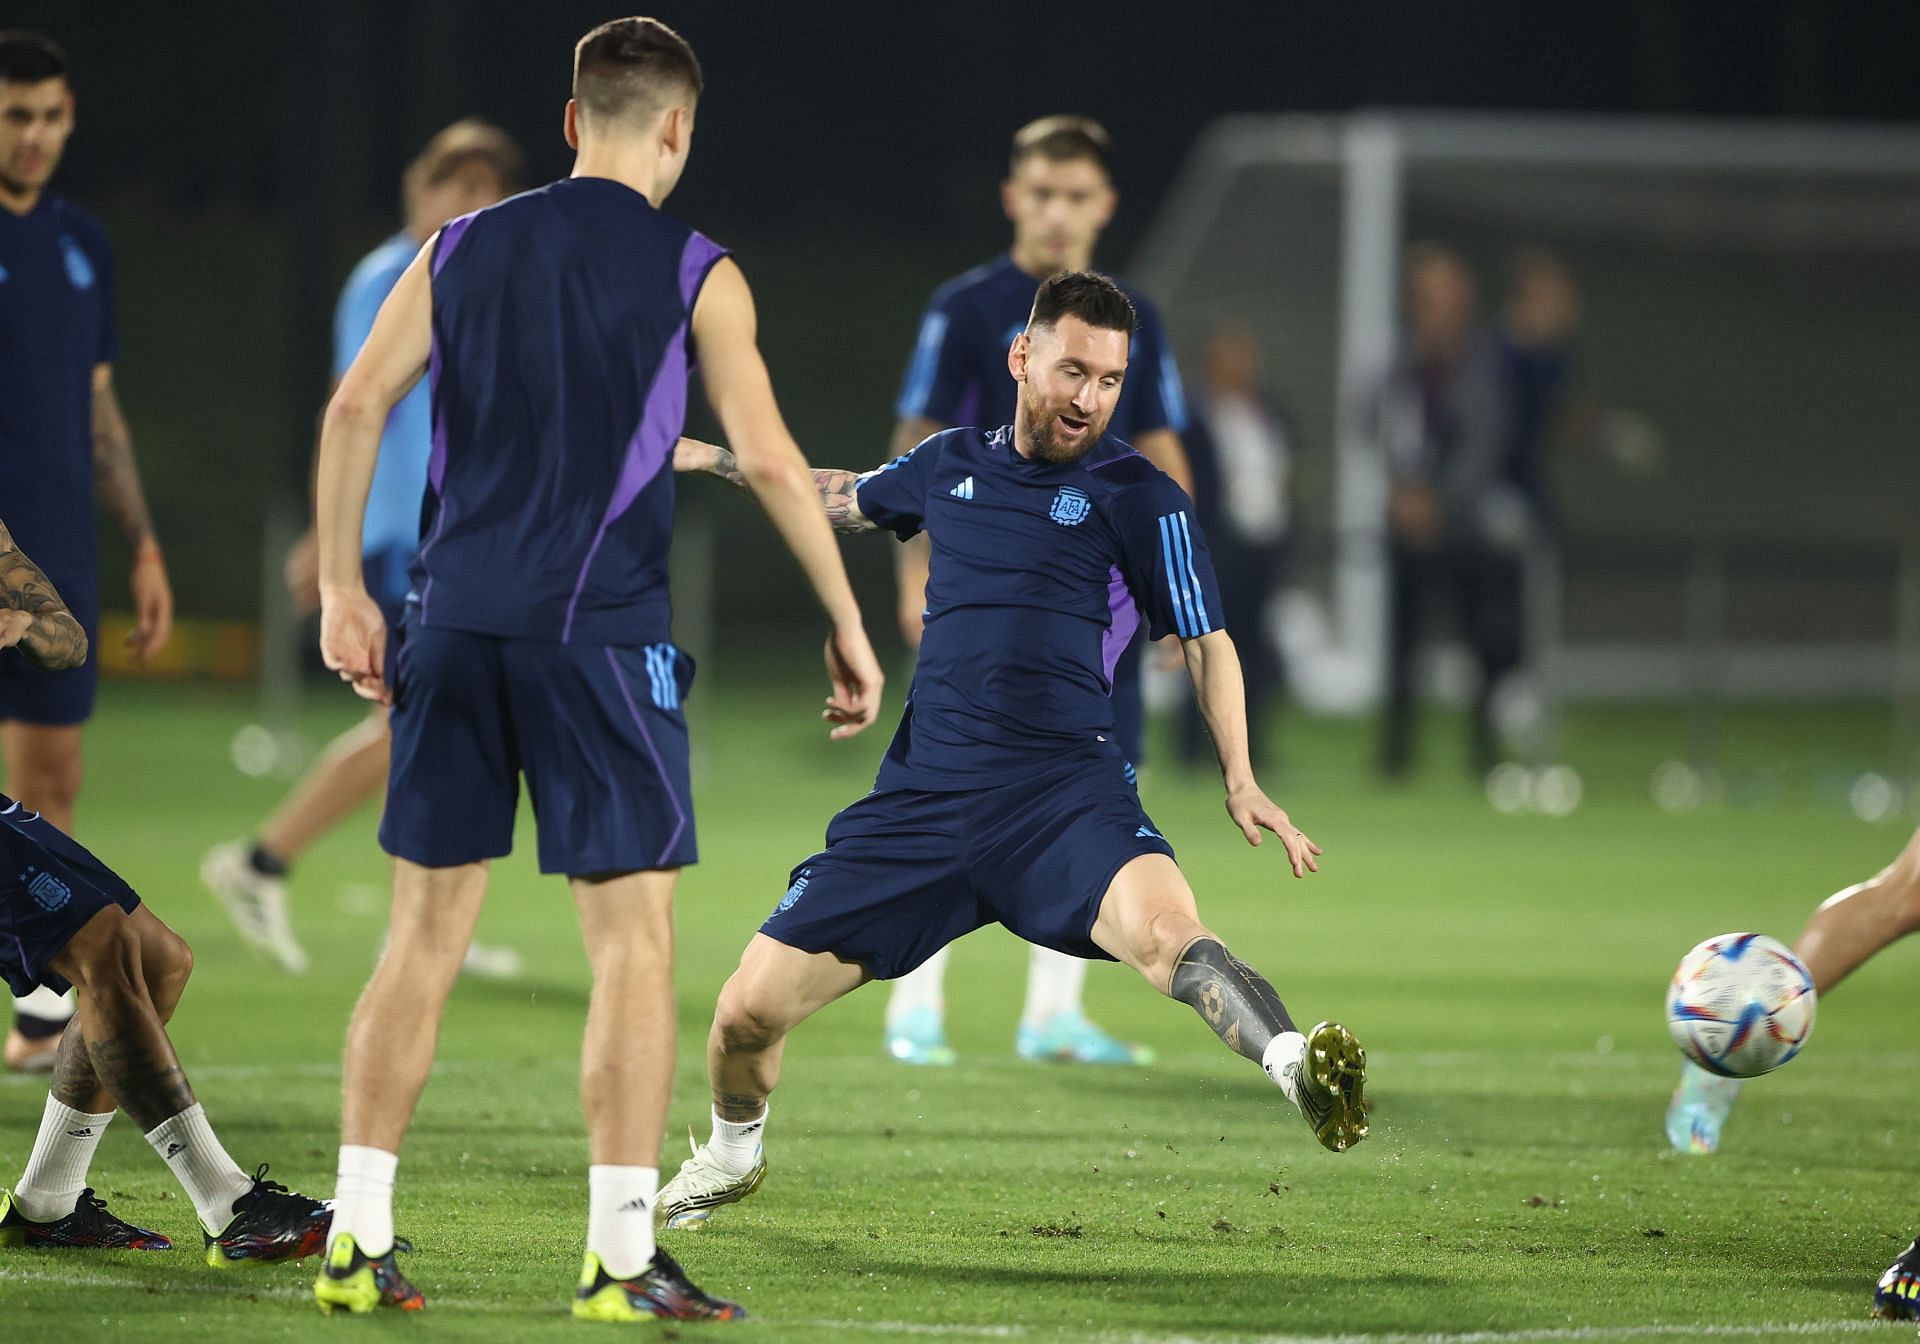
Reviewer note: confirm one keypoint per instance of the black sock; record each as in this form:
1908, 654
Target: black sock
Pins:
36, 1028
1236, 1000
265, 862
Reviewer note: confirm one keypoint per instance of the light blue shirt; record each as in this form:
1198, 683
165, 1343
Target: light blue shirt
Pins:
400, 479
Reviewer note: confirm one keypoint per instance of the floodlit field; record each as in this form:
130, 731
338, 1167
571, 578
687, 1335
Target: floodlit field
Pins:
1506, 974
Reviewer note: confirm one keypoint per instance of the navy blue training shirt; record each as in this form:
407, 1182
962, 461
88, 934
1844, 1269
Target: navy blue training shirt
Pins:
56, 325
561, 326
958, 373
1028, 599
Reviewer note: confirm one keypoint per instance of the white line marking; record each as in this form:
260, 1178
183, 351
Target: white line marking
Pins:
247, 1283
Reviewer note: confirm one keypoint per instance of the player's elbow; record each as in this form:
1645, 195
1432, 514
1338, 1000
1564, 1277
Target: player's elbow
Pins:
768, 473
354, 405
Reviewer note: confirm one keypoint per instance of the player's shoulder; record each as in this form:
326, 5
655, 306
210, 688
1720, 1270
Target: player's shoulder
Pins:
1131, 483
80, 224
973, 285
941, 442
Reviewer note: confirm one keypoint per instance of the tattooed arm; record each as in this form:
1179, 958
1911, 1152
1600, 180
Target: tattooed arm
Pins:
116, 480
116, 488
837, 489
32, 614
835, 486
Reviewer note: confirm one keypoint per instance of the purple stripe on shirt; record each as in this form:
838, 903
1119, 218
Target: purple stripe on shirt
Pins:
662, 415
661, 418
450, 237
437, 462
696, 259
436, 470
1123, 620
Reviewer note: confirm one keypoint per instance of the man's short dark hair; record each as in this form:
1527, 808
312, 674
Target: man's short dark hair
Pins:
1062, 139
1087, 295
633, 68
28, 58
468, 143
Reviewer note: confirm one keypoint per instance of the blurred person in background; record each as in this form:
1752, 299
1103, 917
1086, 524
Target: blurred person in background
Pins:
1456, 523
1539, 318
65, 450
465, 167
1059, 196
1242, 458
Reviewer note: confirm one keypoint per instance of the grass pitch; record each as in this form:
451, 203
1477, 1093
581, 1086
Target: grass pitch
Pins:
1505, 972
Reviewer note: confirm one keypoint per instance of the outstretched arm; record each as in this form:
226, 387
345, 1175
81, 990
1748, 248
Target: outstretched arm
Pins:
116, 488
33, 615
1214, 665
835, 485
725, 329
352, 632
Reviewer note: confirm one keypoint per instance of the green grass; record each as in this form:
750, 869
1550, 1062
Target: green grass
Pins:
1505, 972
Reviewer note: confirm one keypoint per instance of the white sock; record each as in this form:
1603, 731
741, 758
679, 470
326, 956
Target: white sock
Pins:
212, 1180
363, 1198
620, 1217
1054, 982
1282, 1054
737, 1146
57, 1167
922, 987
47, 1005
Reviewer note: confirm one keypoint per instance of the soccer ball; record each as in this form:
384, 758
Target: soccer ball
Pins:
1740, 1005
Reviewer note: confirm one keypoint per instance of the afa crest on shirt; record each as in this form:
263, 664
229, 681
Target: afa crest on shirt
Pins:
48, 891
79, 269
796, 891
1070, 507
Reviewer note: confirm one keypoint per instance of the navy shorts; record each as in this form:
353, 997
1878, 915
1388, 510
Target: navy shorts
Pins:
56, 699
50, 887
905, 873
597, 731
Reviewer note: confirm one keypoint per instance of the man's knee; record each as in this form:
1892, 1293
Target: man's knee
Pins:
167, 961
110, 961
1164, 937
1902, 882
744, 1020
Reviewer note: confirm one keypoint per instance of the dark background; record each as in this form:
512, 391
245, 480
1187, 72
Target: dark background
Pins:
245, 155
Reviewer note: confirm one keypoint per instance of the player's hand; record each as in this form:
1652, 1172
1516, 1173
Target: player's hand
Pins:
152, 602
856, 678
694, 455
1252, 811
14, 626
302, 573
353, 643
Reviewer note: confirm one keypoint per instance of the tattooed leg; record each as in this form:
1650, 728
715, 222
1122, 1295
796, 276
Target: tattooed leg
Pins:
165, 963
1236, 1000
75, 1083
126, 1040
